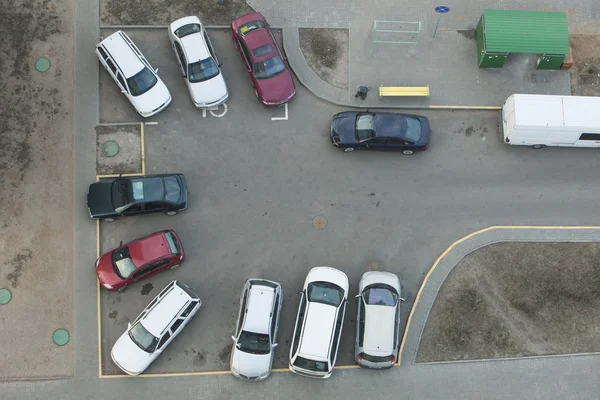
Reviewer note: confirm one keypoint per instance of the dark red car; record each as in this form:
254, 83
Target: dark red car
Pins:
266, 65
139, 259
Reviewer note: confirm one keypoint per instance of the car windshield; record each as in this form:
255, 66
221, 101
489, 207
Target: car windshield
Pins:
326, 293
187, 30
268, 68
250, 26
380, 296
172, 243
122, 263
319, 366
173, 190
255, 343
141, 82
364, 127
142, 338
202, 70
119, 190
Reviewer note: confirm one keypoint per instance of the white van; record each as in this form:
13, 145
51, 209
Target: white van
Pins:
539, 121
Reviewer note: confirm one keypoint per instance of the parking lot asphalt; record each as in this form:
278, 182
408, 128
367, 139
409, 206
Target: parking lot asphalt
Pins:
257, 184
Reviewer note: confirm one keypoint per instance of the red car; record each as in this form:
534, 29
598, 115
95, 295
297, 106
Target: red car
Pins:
266, 65
139, 259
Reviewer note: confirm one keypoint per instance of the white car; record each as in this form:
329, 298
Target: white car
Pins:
319, 323
378, 320
133, 74
152, 331
198, 62
255, 336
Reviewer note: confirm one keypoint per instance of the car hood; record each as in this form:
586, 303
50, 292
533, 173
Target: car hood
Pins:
343, 126
99, 201
129, 356
277, 88
250, 365
106, 272
209, 91
151, 100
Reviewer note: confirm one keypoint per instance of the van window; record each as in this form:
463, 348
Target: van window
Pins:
336, 335
164, 340
361, 322
176, 325
274, 318
299, 322
242, 311
590, 136
111, 66
122, 82
189, 309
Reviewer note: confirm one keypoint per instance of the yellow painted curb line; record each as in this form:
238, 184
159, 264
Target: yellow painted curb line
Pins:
435, 264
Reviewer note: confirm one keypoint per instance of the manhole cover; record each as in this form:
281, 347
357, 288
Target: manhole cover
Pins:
110, 148
5, 296
60, 337
320, 222
374, 266
42, 64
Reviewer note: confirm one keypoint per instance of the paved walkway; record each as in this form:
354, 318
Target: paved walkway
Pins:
446, 62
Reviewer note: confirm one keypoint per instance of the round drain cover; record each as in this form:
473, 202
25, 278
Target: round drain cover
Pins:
320, 222
60, 337
110, 148
5, 296
42, 64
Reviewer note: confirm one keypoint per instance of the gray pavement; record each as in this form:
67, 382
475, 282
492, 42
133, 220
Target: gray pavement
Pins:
447, 62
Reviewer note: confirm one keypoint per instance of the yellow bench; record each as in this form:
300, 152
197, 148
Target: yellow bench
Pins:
385, 91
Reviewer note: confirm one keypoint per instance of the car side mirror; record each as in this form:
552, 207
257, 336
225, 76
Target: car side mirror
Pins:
358, 295
275, 345
233, 338
128, 325
159, 351
402, 300
123, 91
220, 65
156, 71
121, 243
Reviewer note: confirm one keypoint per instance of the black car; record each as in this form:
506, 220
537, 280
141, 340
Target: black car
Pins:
354, 130
111, 198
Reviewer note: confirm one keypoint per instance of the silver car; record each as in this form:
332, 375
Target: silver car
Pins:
255, 336
378, 320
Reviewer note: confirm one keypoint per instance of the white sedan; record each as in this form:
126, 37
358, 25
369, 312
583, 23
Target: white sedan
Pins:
198, 62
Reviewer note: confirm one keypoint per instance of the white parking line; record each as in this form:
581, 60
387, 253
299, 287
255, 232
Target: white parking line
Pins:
211, 111
281, 118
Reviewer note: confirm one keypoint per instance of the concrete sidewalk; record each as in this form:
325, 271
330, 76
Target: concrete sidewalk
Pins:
446, 63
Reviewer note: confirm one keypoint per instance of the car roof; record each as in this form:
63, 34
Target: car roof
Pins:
153, 188
257, 38
148, 249
126, 58
379, 330
260, 305
165, 310
319, 326
194, 47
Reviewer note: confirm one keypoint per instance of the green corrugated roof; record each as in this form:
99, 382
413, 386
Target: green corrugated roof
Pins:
534, 32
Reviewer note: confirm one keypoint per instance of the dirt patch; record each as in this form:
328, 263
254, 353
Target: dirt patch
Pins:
326, 52
585, 72
517, 299
36, 164
163, 12
129, 158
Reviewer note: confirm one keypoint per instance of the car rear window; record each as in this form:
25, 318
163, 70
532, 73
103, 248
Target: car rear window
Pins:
172, 242
377, 359
141, 82
187, 30
250, 26
304, 363
173, 190
268, 68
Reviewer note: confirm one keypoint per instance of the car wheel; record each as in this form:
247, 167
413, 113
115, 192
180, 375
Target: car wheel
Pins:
174, 266
538, 146
408, 152
108, 219
256, 93
348, 149
171, 213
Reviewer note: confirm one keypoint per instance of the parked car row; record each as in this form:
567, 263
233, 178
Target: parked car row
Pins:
139, 82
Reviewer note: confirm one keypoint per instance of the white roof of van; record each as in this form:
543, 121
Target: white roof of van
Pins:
318, 329
379, 330
158, 318
556, 111
128, 61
